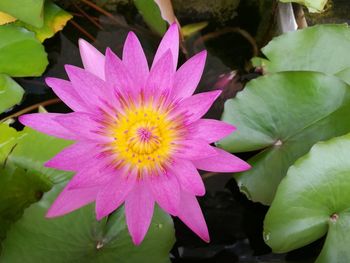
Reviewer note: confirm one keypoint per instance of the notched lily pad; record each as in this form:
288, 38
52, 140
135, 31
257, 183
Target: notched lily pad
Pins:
21, 54
55, 18
23, 179
283, 115
322, 48
10, 93
312, 201
78, 237
28, 11
26, 156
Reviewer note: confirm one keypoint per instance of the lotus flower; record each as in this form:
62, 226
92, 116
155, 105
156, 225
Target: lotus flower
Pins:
139, 137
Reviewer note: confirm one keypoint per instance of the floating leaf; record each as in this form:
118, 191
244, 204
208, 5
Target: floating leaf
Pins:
190, 29
10, 93
283, 114
312, 200
6, 18
312, 5
26, 156
8, 140
78, 237
28, 11
309, 49
21, 54
23, 178
19, 189
151, 14
55, 18
344, 75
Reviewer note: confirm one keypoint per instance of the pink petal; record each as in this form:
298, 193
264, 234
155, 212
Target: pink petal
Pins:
139, 205
160, 79
135, 60
70, 200
188, 177
65, 91
46, 123
194, 149
170, 41
191, 214
166, 192
223, 162
113, 194
196, 106
188, 75
210, 130
83, 125
119, 75
93, 60
93, 90
90, 175
73, 157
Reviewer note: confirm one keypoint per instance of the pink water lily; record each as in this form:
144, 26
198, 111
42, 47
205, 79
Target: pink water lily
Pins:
139, 135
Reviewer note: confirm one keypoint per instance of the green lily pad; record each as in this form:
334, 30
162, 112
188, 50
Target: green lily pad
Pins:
55, 18
314, 200
151, 14
309, 49
283, 115
78, 237
8, 140
312, 5
344, 75
21, 53
10, 93
23, 178
28, 11
19, 189
26, 156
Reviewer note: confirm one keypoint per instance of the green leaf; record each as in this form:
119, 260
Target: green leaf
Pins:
78, 237
313, 5
19, 189
21, 54
344, 75
23, 178
28, 11
55, 18
314, 199
283, 114
26, 156
309, 49
10, 93
151, 14
8, 140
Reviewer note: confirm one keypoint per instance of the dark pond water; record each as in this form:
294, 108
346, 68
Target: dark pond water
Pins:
235, 223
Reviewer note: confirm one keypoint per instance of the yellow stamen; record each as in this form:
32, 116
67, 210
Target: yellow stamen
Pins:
144, 137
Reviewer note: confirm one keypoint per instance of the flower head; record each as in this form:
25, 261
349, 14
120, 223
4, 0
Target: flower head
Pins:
139, 135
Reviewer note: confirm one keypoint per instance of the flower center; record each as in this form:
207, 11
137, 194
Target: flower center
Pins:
144, 137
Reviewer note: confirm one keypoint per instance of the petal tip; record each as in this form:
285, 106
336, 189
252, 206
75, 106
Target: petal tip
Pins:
22, 119
136, 241
82, 42
51, 214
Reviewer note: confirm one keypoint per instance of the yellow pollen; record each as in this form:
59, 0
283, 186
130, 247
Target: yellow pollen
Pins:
144, 137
